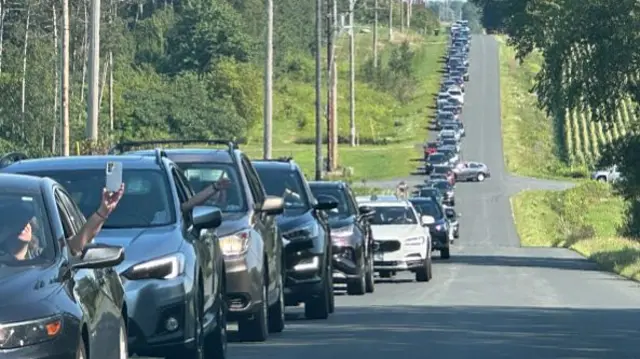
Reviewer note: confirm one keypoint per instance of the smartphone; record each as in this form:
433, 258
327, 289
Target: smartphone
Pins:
114, 176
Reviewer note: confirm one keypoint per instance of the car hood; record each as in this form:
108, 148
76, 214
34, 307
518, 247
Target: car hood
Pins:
396, 231
142, 244
293, 219
232, 222
24, 291
339, 222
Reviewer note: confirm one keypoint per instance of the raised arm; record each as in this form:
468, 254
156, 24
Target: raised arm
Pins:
202, 196
94, 223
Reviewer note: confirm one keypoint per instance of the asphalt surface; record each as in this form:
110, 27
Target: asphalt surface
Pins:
492, 299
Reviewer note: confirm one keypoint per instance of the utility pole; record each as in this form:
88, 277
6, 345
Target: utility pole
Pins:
329, 84
352, 75
268, 85
65, 78
409, 9
333, 165
375, 34
391, 19
93, 108
318, 90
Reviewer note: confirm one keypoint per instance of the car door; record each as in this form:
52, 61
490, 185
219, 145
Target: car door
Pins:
87, 287
362, 222
266, 224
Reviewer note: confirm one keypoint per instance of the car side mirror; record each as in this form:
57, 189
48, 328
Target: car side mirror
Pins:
99, 256
326, 205
427, 220
366, 211
206, 217
272, 205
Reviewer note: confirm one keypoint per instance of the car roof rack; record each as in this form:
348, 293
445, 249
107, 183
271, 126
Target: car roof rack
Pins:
128, 145
12, 157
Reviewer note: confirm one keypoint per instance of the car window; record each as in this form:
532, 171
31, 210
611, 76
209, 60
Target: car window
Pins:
393, 215
147, 201
77, 219
255, 184
428, 208
441, 185
25, 231
285, 183
345, 206
200, 175
474, 165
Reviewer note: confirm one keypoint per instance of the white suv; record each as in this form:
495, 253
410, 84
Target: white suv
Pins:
401, 239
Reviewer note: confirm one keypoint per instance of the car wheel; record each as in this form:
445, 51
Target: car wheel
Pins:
358, 286
444, 253
318, 308
370, 281
255, 329
123, 342
480, 177
276, 312
332, 297
217, 343
81, 351
423, 273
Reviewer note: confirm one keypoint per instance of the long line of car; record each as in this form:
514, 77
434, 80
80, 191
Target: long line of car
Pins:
163, 279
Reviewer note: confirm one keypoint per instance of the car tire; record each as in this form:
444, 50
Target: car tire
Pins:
423, 274
332, 297
81, 350
358, 286
216, 346
256, 329
444, 253
370, 281
480, 177
453, 202
276, 312
318, 308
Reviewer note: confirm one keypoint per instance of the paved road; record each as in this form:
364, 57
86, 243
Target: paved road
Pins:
492, 299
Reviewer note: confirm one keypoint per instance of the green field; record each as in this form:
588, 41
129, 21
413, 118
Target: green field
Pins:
587, 218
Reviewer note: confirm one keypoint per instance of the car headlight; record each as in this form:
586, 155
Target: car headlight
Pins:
345, 231
235, 244
168, 267
439, 227
415, 241
309, 230
22, 334
307, 264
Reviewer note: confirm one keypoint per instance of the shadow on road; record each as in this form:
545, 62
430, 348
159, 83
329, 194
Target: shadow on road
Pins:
517, 261
456, 332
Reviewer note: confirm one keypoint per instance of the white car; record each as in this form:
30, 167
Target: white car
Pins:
456, 93
401, 239
449, 134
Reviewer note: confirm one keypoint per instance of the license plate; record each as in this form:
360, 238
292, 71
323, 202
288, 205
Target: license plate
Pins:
378, 257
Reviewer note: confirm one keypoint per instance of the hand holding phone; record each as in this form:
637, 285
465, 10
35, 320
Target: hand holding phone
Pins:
114, 176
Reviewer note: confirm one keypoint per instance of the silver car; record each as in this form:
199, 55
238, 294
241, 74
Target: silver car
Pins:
471, 171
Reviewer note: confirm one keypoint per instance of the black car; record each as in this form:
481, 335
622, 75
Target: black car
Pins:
439, 229
429, 192
307, 238
249, 236
447, 190
437, 158
350, 235
52, 299
173, 272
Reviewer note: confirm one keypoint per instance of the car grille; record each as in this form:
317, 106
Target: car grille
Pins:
386, 246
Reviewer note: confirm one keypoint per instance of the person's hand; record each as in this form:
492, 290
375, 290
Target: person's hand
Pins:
222, 183
110, 201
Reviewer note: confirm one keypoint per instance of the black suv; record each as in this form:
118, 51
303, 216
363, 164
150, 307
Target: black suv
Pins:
351, 236
446, 189
249, 236
306, 236
173, 273
440, 229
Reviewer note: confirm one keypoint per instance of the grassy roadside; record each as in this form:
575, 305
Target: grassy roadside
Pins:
530, 140
586, 218
379, 115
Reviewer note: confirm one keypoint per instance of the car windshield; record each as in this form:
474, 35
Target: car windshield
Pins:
201, 175
445, 115
25, 233
441, 185
437, 157
428, 208
285, 183
428, 192
440, 170
147, 201
449, 142
325, 194
455, 92
447, 133
393, 215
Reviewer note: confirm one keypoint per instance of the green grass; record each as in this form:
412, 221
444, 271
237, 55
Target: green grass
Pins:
585, 218
531, 141
379, 115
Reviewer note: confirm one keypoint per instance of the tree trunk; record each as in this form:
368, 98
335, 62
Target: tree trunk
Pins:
3, 12
85, 52
65, 77
23, 99
56, 86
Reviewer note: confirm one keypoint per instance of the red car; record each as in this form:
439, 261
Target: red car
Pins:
429, 148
